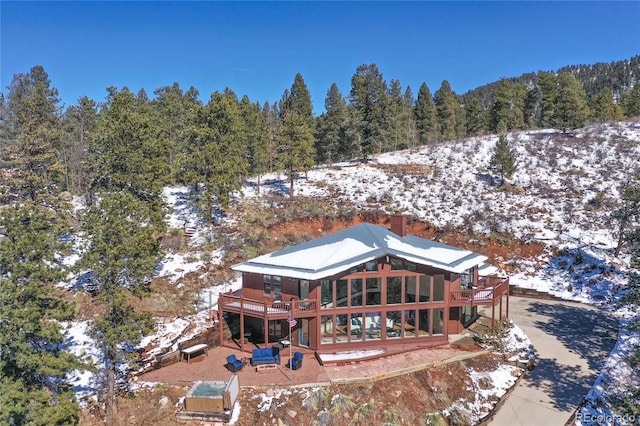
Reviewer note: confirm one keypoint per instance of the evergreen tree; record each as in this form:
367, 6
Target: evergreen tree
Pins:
122, 253
295, 148
627, 216
507, 112
571, 110
632, 102
271, 116
79, 122
503, 161
255, 135
33, 138
130, 153
399, 116
33, 363
426, 116
604, 108
334, 139
448, 111
548, 88
368, 103
173, 112
530, 108
475, 117
215, 153
296, 139
298, 100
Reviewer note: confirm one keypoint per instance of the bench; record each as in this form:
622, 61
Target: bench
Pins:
188, 352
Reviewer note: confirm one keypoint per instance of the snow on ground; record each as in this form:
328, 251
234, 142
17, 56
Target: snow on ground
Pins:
563, 193
78, 342
347, 355
489, 387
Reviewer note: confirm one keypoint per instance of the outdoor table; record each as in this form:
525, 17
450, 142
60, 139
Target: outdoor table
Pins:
188, 352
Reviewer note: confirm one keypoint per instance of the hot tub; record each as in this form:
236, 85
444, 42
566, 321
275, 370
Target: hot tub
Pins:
212, 396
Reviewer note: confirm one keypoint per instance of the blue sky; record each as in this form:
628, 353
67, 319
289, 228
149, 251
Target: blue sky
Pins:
256, 48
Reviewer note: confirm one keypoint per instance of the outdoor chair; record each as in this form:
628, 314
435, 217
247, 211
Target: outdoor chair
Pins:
296, 362
233, 364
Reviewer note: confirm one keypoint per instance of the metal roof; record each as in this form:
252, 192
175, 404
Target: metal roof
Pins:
338, 252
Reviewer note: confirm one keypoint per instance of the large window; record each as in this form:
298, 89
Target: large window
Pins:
371, 266
467, 278
342, 293
394, 290
438, 288
356, 327
438, 321
409, 324
277, 286
342, 328
326, 329
423, 322
424, 292
326, 294
356, 292
374, 291
267, 285
410, 289
393, 324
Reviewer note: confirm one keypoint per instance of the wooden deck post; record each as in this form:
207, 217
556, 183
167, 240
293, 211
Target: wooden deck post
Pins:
241, 324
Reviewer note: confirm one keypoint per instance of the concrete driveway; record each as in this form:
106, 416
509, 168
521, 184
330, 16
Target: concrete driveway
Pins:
571, 341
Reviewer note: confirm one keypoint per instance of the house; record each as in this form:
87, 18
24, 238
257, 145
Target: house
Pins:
366, 287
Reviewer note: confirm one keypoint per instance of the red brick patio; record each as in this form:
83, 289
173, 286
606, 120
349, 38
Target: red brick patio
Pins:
212, 367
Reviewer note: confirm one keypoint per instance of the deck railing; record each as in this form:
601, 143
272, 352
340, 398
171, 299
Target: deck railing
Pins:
266, 308
488, 290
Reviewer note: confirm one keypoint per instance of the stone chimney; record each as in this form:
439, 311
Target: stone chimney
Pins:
399, 224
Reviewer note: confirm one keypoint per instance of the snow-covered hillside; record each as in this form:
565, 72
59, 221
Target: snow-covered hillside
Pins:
562, 195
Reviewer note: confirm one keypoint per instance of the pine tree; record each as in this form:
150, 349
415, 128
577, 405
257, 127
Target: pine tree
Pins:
628, 216
33, 363
173, 112
215, 155
367, 103
255, 135
632, 102
334, 141
298, 100
33, 138
449, 112
604, 108
79, 122
295, 138
295, 147
129, 152
399, 113
475, 117
571, 110
548, 88
426, 116
507, 112
122, 253
503, 161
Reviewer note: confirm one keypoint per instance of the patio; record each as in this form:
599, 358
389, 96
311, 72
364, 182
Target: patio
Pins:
212, 367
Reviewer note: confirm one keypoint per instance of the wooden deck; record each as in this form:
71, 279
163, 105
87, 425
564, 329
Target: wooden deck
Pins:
489, 290
234, 302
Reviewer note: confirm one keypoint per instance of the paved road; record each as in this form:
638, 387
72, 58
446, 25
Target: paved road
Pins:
572, 342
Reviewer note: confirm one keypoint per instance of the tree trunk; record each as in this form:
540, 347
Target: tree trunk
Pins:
112, 406
291, 184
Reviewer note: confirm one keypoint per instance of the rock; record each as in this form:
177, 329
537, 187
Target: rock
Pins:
292, 413
164, 401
